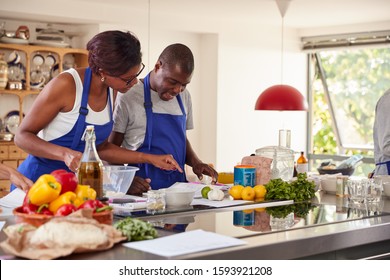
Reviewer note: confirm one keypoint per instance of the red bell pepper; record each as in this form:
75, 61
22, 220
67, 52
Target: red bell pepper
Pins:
68, 180
27, 207
96, 205
44, 209
65, 210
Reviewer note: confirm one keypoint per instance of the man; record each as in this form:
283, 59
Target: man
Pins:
153, 117
382, 135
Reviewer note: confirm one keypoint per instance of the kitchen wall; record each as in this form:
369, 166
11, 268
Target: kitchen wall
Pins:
234, 63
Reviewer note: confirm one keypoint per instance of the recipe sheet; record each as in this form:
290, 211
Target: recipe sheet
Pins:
13, 199
185, 243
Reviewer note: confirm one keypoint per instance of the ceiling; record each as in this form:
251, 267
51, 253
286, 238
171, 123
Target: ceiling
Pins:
300, 14
205, 15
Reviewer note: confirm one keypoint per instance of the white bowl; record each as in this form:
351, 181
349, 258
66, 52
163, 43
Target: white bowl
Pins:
118, 178
328, 184
178, 197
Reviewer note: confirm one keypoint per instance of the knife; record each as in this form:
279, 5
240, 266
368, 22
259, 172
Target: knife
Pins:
121, 200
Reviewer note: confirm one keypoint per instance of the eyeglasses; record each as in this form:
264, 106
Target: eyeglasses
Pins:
128, 81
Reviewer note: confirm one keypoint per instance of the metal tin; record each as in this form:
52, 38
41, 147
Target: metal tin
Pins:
341, 182
245, 175
243, 218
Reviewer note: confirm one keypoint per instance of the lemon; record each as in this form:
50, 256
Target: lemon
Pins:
260, 191
248, 193
205, 190
235, 191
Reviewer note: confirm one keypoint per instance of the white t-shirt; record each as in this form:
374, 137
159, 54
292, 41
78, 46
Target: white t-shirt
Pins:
130, 115
64, 122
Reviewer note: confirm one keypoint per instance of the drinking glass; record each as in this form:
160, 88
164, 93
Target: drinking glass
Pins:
356, 191
373, 189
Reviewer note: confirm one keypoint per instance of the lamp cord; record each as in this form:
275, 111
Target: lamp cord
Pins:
148, 34
282, 50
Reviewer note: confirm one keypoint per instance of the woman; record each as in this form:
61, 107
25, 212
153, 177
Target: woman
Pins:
51, 132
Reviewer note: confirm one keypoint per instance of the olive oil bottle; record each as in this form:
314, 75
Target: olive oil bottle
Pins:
302, 164
90, 171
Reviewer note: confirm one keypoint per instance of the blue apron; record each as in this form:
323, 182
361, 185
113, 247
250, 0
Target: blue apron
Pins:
165, 134
387, 165
33, 167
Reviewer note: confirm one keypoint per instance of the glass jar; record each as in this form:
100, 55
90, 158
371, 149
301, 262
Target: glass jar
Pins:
282, 161
155, 201
3, 72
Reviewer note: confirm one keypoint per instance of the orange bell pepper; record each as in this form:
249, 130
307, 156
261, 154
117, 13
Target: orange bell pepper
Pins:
44, 190
65, 198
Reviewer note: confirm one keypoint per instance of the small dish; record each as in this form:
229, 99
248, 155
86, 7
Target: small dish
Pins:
16, 72
50, 44
12, 120
38, 59
14, 41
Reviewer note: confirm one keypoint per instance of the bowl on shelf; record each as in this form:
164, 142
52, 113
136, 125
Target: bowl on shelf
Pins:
344, 171
118, 178
175, 197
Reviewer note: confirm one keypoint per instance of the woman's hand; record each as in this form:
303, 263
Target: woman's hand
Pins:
201, 169
166, 162
72, 159
18, 179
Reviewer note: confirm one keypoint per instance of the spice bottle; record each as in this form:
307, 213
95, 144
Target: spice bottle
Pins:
302, 164
90, 171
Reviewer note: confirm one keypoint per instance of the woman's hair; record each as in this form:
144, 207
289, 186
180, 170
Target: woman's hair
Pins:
115, 52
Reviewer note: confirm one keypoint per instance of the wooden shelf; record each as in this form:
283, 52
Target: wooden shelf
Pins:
9, 153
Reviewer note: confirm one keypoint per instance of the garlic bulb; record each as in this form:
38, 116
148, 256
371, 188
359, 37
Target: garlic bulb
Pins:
215, 194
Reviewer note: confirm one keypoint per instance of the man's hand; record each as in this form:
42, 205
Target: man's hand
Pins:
201, 169
139, 186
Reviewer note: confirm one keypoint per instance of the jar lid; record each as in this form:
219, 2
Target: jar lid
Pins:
271, 150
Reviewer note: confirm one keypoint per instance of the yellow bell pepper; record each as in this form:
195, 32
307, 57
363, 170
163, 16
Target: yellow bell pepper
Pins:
44, 190
85, 192
65, 198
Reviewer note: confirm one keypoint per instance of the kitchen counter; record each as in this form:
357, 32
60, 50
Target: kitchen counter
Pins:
332, 229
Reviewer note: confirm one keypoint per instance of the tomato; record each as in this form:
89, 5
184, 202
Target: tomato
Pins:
68, 180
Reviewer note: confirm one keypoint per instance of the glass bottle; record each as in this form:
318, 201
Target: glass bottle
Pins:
302, 164
3, 72
90, 171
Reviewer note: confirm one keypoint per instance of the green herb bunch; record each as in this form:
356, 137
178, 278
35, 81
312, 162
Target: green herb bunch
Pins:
298, 190
135, 229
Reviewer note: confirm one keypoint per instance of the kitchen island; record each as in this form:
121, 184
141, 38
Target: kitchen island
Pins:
332, 229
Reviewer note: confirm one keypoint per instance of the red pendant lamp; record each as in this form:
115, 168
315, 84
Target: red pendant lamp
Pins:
281, 97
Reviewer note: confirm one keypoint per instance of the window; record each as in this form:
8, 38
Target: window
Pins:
345, 85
